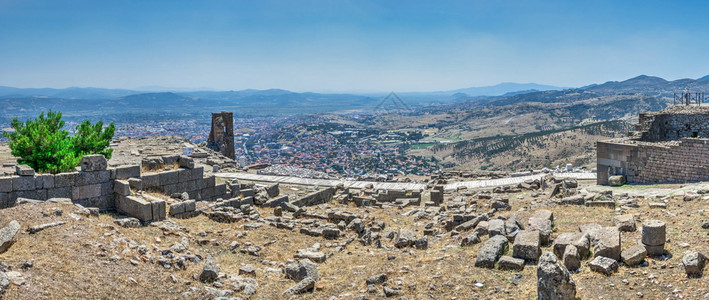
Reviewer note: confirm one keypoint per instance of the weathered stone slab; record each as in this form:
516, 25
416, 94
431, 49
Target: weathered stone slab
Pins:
302, 269
121, 187
496, 227
405, 238
315, 198
65, 179
607, 243
126, 172
168, 177
5, 184
85, 192
24, 170
542, 225
510, 263
135, 207
624, 222
94, 162
491, 251
580, 240
692, 261
634, 255
571, 258
526, 245
7, 235
23, 183
603, 265
150, 180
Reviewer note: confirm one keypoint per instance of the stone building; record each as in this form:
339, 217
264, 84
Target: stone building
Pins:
671, 145
221, 137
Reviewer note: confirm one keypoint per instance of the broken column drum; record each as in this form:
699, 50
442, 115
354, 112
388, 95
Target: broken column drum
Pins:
654, 235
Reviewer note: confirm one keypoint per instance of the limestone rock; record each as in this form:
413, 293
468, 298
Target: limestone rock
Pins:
7, 235
491, 251
302, 269
634, 255
470, 240
653, 233
624, 222
496, 227
303, 286
553, 279
607, 243
603, 265
405, 238
510, 263
571, 258
377, 279
94, 162
580, 240
542, 225
526, 245
693, 263
210, 271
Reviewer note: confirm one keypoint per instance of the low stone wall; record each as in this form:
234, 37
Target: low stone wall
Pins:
94, 185
686, 160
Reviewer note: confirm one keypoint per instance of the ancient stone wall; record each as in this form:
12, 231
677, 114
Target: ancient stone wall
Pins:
657, 127
686, 160
96, 186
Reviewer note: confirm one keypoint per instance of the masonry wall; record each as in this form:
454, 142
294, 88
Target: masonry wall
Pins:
686, 160
96, 188
657, 127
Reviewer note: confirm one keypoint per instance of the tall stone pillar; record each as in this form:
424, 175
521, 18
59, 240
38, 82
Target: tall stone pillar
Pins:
221, 137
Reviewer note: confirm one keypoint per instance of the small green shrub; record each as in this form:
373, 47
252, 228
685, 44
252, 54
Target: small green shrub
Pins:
46, 147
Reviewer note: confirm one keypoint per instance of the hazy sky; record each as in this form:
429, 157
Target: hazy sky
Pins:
347, 45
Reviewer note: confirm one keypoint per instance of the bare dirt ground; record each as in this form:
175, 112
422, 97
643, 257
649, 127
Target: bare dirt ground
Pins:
92, 258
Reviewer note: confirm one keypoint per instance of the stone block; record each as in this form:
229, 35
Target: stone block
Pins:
95, 177
150, 180
247, 193
510, 263
5, 184
543, 225
603, 265
171, 189
4, 200
276, 202
634, 255
135, 207
207, 193
655, 250
65, 179
273, 190
85, 191
186, 162
580, 240
220, 191
59, 192
177, 208
170, 159
159, 208
23, 183
24, 170
208, 182
197, 173
526, 245
121, 187
168, 177
496, 227
190, 205
624, 222
135, 183
607, 243
184, 175
571, 258
94, 162
693, 263
107, 188
491, 251
126, 172
45, 181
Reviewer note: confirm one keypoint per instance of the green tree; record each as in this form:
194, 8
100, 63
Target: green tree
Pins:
42, 144
46, 147
93, 139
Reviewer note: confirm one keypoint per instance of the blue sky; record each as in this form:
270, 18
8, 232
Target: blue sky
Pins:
347, 45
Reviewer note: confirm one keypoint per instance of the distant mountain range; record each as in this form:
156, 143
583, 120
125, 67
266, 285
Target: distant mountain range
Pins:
16, 101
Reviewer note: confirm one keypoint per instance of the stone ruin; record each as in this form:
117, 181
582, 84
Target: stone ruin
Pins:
124, 188
221, 137
668, 146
